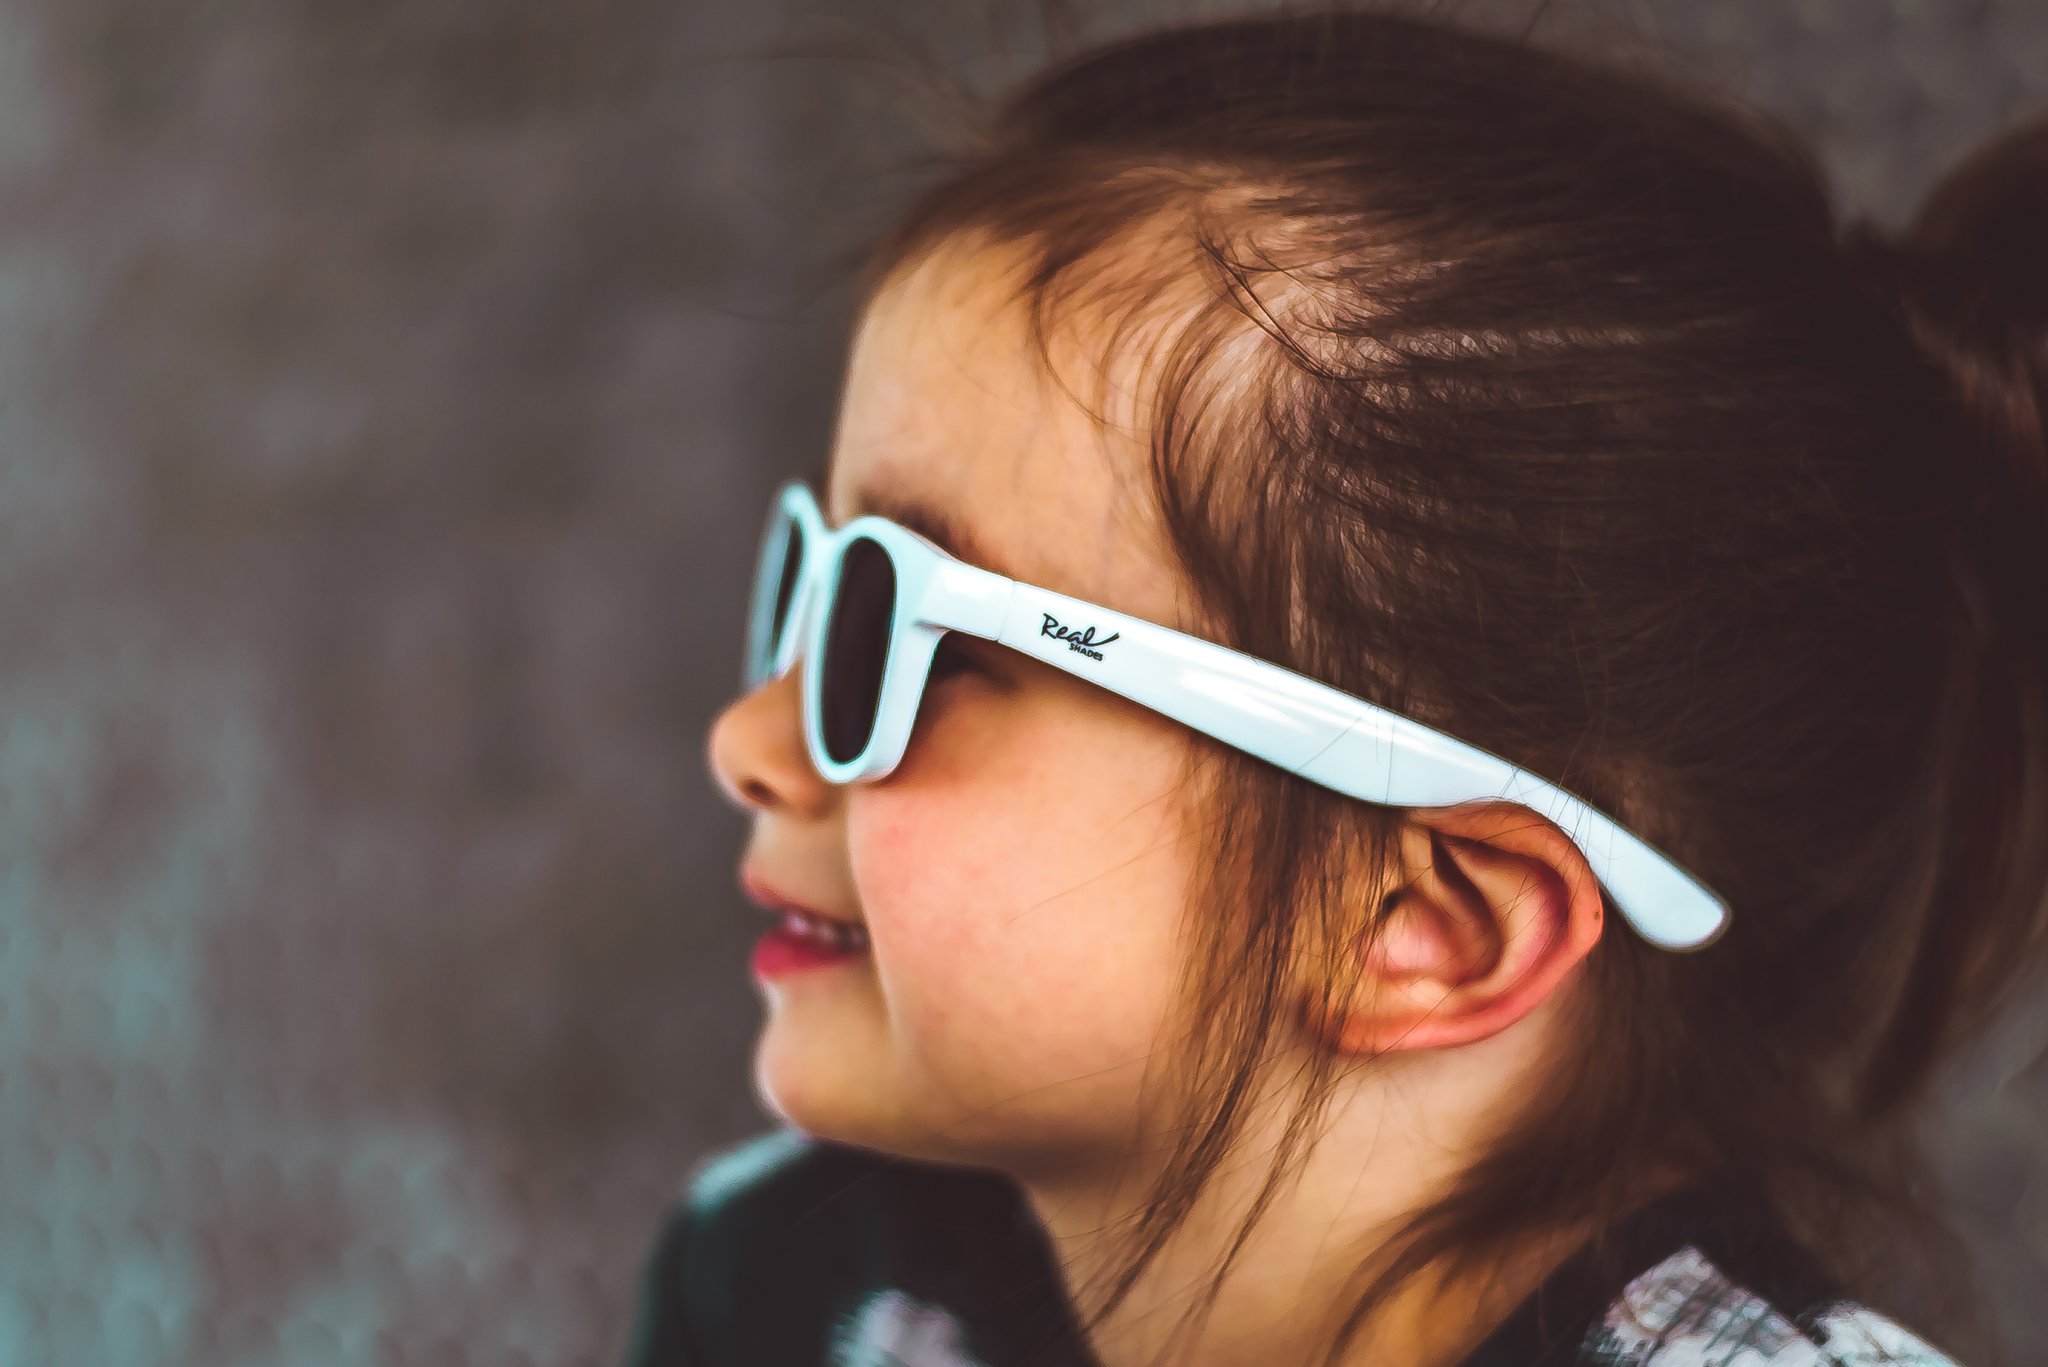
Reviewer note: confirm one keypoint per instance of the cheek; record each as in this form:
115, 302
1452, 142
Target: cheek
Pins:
1027, 916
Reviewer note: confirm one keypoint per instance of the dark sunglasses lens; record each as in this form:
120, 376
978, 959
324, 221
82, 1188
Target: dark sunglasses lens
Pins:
862, 614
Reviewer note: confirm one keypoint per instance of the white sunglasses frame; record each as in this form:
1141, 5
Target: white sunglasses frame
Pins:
1288, 719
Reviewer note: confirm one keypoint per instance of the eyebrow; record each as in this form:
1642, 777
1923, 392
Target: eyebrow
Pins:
932, 522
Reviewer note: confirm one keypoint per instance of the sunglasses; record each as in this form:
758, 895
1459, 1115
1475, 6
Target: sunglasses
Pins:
867, 603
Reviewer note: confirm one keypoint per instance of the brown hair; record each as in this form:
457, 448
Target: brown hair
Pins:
1511, 364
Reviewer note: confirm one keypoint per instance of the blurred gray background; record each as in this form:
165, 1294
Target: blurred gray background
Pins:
390, 394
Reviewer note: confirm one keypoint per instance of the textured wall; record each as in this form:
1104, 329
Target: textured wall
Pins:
388, 394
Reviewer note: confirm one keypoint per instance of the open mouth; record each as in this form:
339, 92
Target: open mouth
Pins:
842, 936
800, 940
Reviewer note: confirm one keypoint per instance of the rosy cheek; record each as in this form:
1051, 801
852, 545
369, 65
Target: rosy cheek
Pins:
908, 863
935, 881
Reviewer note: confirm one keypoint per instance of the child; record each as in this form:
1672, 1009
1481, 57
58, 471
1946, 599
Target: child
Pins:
1479, 741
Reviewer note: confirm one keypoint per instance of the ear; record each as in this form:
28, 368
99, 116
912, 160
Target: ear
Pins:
1495, 906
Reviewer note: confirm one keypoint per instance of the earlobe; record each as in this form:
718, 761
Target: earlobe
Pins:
1499, 906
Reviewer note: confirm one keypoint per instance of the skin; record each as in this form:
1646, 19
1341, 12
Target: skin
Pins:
1025, 876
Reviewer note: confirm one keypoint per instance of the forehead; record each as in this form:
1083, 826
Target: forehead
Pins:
952, 414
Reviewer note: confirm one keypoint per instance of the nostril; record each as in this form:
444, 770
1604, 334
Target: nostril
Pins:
756, 792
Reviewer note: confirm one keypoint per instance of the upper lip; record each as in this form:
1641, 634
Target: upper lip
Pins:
768, 897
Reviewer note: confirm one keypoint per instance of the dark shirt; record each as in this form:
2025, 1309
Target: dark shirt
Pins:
789, 1249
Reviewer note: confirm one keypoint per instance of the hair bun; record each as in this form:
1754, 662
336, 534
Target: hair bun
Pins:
1970, 274
1969, 277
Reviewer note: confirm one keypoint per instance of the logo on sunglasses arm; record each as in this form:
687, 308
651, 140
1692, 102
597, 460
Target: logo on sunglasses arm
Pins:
1083, 641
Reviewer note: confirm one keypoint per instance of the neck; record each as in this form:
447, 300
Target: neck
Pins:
1294, 1282
1286, 1295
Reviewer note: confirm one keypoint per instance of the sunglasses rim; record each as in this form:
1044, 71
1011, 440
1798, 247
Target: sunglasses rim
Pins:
795, 520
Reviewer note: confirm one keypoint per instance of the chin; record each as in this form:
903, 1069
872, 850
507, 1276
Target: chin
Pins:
819, 1096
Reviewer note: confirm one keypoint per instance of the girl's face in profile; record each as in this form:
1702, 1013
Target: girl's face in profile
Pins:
1023, 872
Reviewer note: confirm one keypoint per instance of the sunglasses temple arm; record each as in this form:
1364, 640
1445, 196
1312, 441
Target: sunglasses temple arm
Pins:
1385, 757
1339, 741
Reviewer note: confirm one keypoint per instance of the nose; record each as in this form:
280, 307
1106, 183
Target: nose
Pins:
756, 752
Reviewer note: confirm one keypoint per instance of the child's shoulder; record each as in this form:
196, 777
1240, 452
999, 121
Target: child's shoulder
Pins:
1688, 1308
1705, 1275
771, 1171
778, 1247
787, 1189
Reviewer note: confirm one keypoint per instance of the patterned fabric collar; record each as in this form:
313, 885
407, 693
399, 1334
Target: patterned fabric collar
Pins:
1692, 1241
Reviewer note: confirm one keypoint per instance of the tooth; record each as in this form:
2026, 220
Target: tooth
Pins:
843, 936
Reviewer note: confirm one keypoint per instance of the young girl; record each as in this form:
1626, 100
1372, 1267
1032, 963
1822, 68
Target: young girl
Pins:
1405, 723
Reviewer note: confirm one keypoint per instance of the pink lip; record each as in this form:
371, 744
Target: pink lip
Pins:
769, 899
779, 953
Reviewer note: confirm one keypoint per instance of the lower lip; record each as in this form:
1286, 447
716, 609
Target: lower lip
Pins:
782, 951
